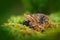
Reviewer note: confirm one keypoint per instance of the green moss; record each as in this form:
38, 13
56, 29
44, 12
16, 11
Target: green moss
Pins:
14, 30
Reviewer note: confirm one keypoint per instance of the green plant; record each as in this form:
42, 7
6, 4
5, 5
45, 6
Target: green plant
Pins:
16, 31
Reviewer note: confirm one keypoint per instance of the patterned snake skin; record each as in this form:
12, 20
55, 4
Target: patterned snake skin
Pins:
38, 22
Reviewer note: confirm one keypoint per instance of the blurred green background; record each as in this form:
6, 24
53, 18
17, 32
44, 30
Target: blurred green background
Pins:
11, 12
18, 7
8, 8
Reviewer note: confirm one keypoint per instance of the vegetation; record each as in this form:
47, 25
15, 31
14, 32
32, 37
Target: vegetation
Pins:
12, 28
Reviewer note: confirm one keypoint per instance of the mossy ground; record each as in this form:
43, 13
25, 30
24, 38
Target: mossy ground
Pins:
14, 30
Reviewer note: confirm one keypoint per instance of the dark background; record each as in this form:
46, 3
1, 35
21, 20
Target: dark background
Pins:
8, 8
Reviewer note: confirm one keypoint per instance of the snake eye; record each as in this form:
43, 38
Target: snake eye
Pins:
26, 23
